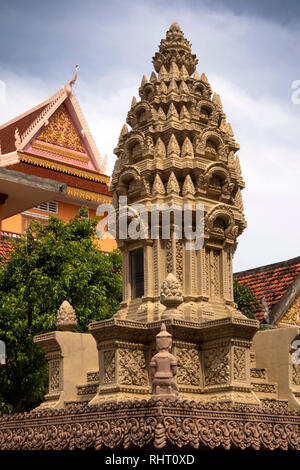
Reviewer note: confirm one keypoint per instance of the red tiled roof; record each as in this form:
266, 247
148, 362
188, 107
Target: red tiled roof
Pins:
270, 281
6, 247
7, 131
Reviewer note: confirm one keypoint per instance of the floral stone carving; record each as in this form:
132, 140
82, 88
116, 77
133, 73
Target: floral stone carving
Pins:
216, 365
132, 367
189, 368
66, 317
171, 296
152, 424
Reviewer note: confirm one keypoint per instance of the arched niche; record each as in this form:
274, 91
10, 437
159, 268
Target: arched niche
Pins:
134, 148
217, 176
220, 221
129, 181
142, 113
198, 88
213, 145
205, 111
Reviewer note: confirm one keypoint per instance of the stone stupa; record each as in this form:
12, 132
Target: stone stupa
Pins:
180, 150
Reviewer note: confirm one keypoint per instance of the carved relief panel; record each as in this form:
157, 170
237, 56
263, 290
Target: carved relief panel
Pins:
132, 367
109, 363
54, 375
189, 366
216, 365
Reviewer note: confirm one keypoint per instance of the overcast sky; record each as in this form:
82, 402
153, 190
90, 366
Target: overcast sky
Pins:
249, 50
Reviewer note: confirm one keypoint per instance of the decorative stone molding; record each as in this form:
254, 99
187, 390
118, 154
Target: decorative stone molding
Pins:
257, 373
171, 425
296, 374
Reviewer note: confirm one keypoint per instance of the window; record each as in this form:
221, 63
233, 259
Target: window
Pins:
50, 206
137, 273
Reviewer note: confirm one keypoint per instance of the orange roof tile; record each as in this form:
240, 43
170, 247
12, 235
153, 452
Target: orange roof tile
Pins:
270, 281
6, 247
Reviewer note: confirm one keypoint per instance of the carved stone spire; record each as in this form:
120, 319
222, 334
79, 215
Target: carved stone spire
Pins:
178, 148
175, 48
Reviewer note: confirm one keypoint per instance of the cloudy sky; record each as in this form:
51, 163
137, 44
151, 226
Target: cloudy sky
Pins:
250, 52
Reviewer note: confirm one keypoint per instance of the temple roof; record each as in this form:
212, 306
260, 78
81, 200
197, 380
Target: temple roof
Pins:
54, 130
269, 283
22, 122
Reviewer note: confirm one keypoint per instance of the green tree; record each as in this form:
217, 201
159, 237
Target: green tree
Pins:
246, 301
50, 264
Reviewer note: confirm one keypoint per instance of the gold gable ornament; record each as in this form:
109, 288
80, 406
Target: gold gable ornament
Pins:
61, 131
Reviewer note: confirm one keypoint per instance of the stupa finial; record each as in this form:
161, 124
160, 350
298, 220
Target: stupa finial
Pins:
175, 27
175, 48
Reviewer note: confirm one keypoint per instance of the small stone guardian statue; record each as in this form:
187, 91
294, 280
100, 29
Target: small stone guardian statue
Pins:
164, 368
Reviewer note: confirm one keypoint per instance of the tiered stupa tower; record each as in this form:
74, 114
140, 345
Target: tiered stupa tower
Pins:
181, 150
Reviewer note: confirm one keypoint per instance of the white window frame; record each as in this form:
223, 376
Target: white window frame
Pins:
48, 207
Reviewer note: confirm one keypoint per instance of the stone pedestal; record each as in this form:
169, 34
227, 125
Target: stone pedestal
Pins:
71, 356
213, 359
278, 351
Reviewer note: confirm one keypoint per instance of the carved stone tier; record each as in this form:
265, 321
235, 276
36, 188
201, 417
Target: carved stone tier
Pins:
213, 358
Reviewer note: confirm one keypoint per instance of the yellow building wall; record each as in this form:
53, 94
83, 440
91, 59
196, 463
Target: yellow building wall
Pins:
65, 212
12, 224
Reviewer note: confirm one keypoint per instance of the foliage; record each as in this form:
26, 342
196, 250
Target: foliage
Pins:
50, 264
246, 301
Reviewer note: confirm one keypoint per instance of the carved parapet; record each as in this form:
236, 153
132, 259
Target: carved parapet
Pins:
167, 425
